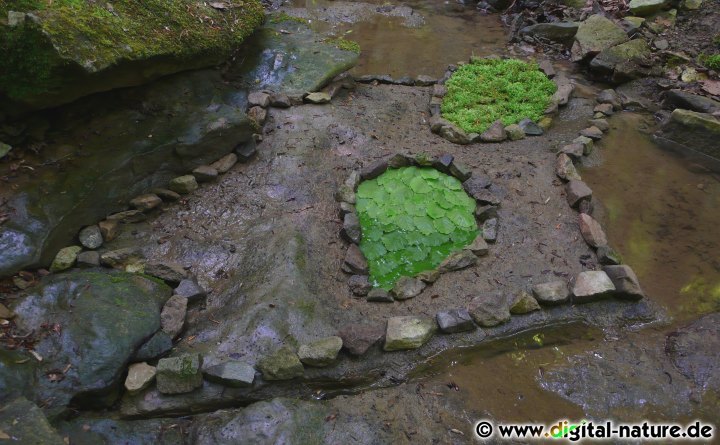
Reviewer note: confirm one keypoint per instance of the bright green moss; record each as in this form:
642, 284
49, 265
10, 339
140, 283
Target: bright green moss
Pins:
712, 62
412, 219
285, 17
481, 92
344, 44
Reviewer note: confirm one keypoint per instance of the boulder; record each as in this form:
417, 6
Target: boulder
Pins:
644, 8
457, 261
600, 124
259, 99
479, 246
574, 151
524, 303
140, 376
576, 192
320, 353
625, 281
280, 100
357, 338
22, 422
234, 374
565, 169
190, 289
554, 292
514, 132
178, 375
692, 132
530, 128
282, 364
623, 62
591, 231
586, 143
594, 35
495, 133
407, 287
157, 346
610, 96
455, 320
351, 228
318, 98
408, 332
688, 101
555, 32
490, 309
65, 258
172, 317
91, 237
591, 285
205, 173
593, 133
88, 258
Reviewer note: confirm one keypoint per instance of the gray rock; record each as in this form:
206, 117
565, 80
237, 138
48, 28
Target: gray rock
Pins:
109, 229
477, 188
495, 133
280, 100
586, 142
172, 317
140, 376
455, 320
429, 276
439, 90
554, 292
457, 261
258, 114
247, 151
320, 353
605, 109
565, 89
126, 217
514, 132
121, 257
345, 208
692, 132
205, 173
318, 98
379, 295
5, 313
592, 285
484, 213
460, 171
524, 303
425, 81
688, 101
591, 231
479, 246
345, 193
594, 35
190, 289
22, 422
610, 96
169, 272
408, 332
625, 281
593, 133
65, 258
183, 184
166, 195
530, 128
88, 258
398, 160
555, 32
577, 191
489, 309
177, 375
359, 285
454, 134
145, 202
358, 338
574, 150
234, 374
91, 237
565, 169
490, 230
601, 124
355, 262
407, 287
693, 351
374, 170
437, 123
259, 99
547, 68
644, 8
607, 256
283, 364
157, 346
224, 164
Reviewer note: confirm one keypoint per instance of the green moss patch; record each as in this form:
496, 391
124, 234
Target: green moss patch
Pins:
710, 61
344, 44
412, 219
485, 90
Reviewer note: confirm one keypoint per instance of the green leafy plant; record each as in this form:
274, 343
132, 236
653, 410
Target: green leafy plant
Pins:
710, 61
411, 219
485, 90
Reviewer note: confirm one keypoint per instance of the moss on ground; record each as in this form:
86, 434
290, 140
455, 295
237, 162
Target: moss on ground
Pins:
344, 44
711, 61
485, 90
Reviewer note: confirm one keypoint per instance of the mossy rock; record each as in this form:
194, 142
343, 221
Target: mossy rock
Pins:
71, 48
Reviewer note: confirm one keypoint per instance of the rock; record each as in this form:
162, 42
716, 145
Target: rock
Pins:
623, 62
477, 186
530, 128
692, 132
547, 67
190, 289
554, 292
687, 101
593, 133
346, 194
606, 109
591, 230
224, 164
258, 114
610, 96
425, 81
586, 142
554, 32
65, 258
157, 346
359, 285
127, 217
280, 100
429, 276
259, 99
166, 195
145, 202
565, 169
91, 237
320, 353
479, 246
407, 287
374, 170
234, 374
171, 273
460, 171
631, 24
576, 192
661, 44
484, 213
574, 151
120, 258
489, 310
607, 256
205, 173
345, 208
514, 132
594, 35
283, 364
140, 376
601, 124
455, 320
172, 317
490, 230
524, 303
591, 285
22, 422
88, 259
358, 338
247, 151
644, 8
496, 133
691, 5
693, 351
5, 313
625, 281
379, 295
178, 375
183, 184
355, 262
398, 160
318, 98
439, 90
457, 261
454, 134
108, 229
545, 123
408, 332
564, 91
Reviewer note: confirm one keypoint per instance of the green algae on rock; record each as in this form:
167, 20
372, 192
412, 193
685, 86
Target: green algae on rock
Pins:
486, 90
412, 219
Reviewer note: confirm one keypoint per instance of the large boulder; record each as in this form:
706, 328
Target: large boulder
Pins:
87, 325
643, 8
22, 422
623, 62
688, 101
594, 35
59, 53
696, 133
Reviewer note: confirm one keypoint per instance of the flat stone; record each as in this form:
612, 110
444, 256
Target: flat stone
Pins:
258, 114
247, 151
495, 133
374, 170
692, 132
359, 285
437, 123
109, 229
606, 109
591, 231
459, 260
234, 374
688, 101
489, 309
280, 100
379, 295
172, 317
455, 320
547, 67
224, 164
166, 195
355, 262
190, 289
407, 287
282, 364
530, 128
574, 151
181, 374
127, 217
398, 160
565, 89
593, 133
205, 173
565, 169
408, 332
592, 285
607, 256
483, 196
454, 134
259, 99
554, 292
65, 258
625, 281
171, 273
320, 353
586, 142
318, 98
553, 31
595, 34
644, 8
610, 96
23, 423
514, 132
146, 202
429, 276
477, 185
479, 246
524, 303
140, 376
460, 171
120, 257
91, 237
345, 193
157, 346
490, 230
358, 338
89, 258
345, 208
576, 192
601, 124
183, 184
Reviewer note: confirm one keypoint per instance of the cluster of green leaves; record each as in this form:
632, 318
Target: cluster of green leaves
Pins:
485, 90
411, 219
710, 61
345, 44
